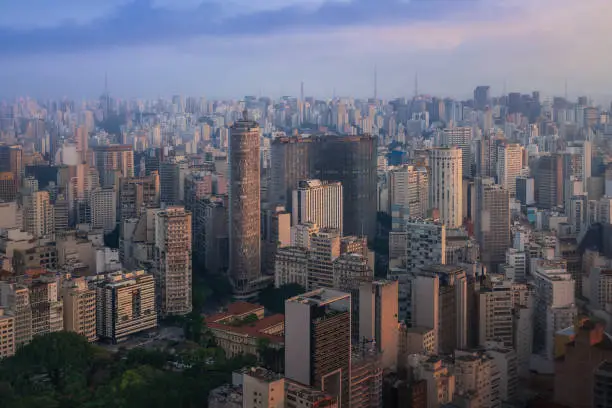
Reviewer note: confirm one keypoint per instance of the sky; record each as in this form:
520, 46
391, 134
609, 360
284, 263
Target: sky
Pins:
232, 48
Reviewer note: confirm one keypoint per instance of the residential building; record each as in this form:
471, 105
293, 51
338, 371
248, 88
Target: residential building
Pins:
16, 298
38, 214
137, 193
460, 137
79, 302
113, 162
445, 185
7, 334
318, 202
262, 388
492, 225
104, 209
244, 208
172, 250
509, 166
495, 313
125, 305
408, 194
47, 308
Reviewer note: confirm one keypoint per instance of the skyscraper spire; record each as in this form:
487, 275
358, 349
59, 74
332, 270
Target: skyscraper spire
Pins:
375, 83
416, 84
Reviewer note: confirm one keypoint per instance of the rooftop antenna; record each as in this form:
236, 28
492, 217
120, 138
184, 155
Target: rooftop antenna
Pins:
375, 83
566, 89
302, 91
416, 85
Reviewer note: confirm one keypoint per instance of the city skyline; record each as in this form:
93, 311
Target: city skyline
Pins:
158, 47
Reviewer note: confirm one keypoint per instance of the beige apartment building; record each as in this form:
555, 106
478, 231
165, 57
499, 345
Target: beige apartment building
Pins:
80, 308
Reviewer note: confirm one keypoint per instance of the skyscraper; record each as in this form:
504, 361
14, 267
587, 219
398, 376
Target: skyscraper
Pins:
509, 165
38, 214
173, 260
481, 97
318, 341
11, 160
492, 221
408, 194
245, 207
318, 202
549, 181
445, 185
113, 162
460, 137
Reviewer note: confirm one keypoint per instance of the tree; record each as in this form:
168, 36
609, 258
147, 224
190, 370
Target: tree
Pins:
273, 298
63, 358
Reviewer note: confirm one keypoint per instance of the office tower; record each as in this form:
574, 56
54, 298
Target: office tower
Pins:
378, 312
216, 235
16, 298
439, 302
173, 260
352, 162
61, 214
525, 190
38, 214
47, 308
516, 266
509, 166
291, 163
555, 307
549, 181
318, 202
318, 341
445, 185
408, 194
125, 305
492, 225
262, 388
276, 233
113, 162
172, 173
244, 208
80, 308
137, 194
495, 308
477, 380
11, 161
460, 137
103, 204
583, 151
481, 97
8, 186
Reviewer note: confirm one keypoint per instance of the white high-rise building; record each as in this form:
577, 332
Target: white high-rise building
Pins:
460, 137
446, 185
173, 260
555, 307
318, 202
38, 217
509, 165
408, 194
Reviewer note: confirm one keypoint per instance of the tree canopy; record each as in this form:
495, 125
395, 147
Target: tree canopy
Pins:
273, 298
62, 370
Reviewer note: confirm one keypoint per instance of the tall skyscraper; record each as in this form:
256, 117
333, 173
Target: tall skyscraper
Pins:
38, 214
318, 202
138, 193
245, 207
173, 260
492, 222
113, 162
460, 137
318, 341
481, 97
509, 165
103, 204
446, 185
378, 318
549, 181
350, 160
408, 194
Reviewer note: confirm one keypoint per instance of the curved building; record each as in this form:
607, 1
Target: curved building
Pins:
244, 208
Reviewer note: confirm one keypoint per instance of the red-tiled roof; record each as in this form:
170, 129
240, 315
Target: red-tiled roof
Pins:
238, 308
253, 329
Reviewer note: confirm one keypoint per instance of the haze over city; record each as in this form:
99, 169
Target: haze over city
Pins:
226, 49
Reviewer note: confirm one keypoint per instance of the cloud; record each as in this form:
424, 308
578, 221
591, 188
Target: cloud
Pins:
136, 22
220, 49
